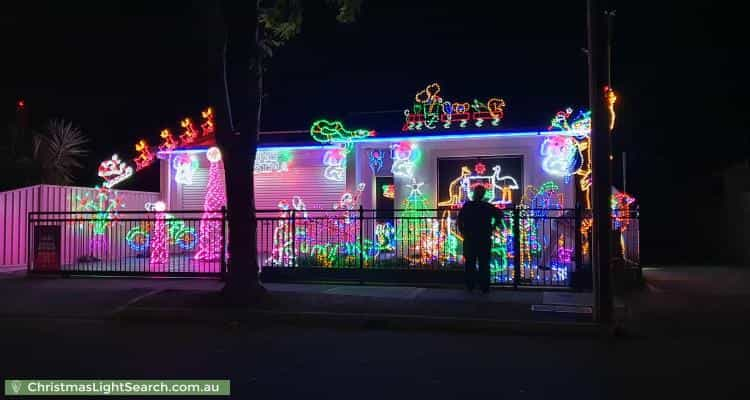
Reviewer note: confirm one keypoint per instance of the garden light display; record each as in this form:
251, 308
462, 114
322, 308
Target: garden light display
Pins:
168, 143
547, 197
385, 237
430, 111
561, 261
114, 171
210, 238
414, 229
185, 165
103, 202
159, 245
403, 159
189, 133
620, 203
138, 237
283, 238
145, 156
376, 161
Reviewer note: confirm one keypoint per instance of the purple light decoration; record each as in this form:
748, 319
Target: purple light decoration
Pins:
210, 238
159, 244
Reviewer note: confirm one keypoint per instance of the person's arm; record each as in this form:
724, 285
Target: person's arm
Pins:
497, 214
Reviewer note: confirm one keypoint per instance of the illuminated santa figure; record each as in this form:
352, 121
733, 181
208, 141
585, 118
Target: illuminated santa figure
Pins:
210, 238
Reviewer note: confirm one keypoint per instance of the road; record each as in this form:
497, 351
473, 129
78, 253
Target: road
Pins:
289, 362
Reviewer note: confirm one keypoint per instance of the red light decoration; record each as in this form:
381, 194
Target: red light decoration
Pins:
208, 125
145, 156
169, 143
21, 104
480, 168
189, 134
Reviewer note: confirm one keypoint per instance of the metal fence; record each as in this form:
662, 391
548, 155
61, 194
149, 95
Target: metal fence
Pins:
128, 243
530, 247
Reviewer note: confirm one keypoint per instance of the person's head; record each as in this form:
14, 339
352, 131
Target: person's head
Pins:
479, 192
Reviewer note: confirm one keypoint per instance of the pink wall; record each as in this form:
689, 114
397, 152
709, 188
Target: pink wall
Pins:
304, 178
16, 204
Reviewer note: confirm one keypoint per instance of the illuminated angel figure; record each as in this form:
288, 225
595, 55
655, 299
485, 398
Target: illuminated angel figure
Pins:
506, 184
455, 190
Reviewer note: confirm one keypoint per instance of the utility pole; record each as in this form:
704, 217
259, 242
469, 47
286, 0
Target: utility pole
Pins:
601, 150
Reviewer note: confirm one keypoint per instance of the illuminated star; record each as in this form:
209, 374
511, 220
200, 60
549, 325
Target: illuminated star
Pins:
480, 168
414, 186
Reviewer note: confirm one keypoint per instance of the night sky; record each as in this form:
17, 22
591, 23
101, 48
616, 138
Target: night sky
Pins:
125, 70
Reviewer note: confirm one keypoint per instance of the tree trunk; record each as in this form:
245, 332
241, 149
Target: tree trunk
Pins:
238, 147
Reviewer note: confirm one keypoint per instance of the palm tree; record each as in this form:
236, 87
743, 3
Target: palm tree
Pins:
31, 157
57, 151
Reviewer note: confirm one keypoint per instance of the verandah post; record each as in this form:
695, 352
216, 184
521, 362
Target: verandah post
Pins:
361, 244
577, 237
294, 237
223, 241
515, 220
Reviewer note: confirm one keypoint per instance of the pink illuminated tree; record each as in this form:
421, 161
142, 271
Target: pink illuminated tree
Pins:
210, 238
159, 242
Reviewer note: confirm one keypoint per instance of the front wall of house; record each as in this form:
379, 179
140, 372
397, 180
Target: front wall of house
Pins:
304, 175
426, 168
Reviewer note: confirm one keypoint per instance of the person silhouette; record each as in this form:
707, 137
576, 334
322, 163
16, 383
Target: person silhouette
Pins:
476, 222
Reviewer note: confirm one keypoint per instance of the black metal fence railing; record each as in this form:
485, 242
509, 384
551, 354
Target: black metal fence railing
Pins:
128, 242
530, 247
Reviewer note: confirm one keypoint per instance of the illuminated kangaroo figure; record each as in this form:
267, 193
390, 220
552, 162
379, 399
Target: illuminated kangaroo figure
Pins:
455, 189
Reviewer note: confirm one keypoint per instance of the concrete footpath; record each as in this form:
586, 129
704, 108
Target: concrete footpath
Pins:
524, 311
